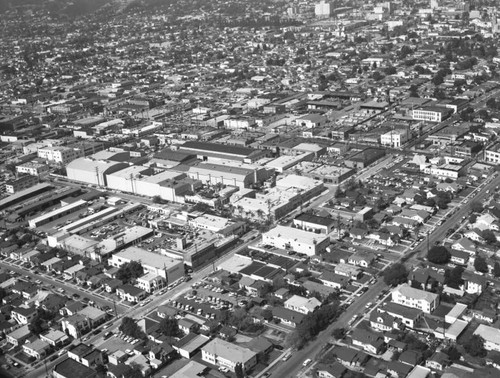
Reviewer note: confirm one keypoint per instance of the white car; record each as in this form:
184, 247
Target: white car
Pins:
306, 362
224, 369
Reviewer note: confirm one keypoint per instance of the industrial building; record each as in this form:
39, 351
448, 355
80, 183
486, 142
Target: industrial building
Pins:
167, 268
92, 171
308, 243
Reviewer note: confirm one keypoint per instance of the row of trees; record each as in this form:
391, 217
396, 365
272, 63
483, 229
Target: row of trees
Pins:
313, 324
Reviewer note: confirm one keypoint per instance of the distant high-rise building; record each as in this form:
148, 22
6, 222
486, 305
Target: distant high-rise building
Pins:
323, 9
494, 24
434, 4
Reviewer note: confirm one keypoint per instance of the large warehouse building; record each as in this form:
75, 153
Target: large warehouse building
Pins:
92, 171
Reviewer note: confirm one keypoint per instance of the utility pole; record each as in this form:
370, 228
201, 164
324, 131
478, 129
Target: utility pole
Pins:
428, 234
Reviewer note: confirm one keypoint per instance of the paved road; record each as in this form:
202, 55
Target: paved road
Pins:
138, 312
69, 289
293, 367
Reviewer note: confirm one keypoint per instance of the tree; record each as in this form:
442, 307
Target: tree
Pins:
438, 255
453, 353
128, 272
480, 264
395, 275
496, 269
453, 278
36, 326
475, 346
170, 327
489, 236
238, 370
476, 206
130, 328
339, 333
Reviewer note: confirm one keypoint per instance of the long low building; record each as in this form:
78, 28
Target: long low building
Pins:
171, 270
309, 243
57, 213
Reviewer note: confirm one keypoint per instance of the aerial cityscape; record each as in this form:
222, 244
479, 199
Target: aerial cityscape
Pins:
265, 188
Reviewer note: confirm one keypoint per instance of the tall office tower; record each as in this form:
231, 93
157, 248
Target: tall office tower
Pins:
323, 9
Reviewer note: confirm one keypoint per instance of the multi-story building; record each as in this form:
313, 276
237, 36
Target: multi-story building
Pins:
225, 354
323, 9
167, 268
492, 154
308, 243
491, 336
394, 138
33, 169
59, 154
21, 183
431, 113
408, 296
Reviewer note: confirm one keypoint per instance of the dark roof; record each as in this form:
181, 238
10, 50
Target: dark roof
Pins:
406, 312
310, 218
214, 147
130, 289
72, 369
81, 350
178, 156
287, 314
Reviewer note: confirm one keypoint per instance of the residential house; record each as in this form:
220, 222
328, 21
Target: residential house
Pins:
37, 349
189, 345
408, 296
71, 308
23, 315
408, 316
85, 354
19, 336
369, 341
70, 368
301, 304
187, 326
474, 235
490, 335
358, 233
225, 354
473, 283
348, 270
398, 369
383, 321
426, 278
76, 325
131, 293
459, 257
286, 316
350, 357
333, 370
363, 259
331, 279
54, 337
464, 245
94, 315
438, 361
164, 352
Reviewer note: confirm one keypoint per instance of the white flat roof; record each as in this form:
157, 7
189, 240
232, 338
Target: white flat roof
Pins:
58, 211
154, 260
304, 237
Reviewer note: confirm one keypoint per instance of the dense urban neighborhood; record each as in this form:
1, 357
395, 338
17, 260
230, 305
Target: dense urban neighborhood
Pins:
270, 188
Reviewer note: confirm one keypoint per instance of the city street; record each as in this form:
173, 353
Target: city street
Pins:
137, 311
